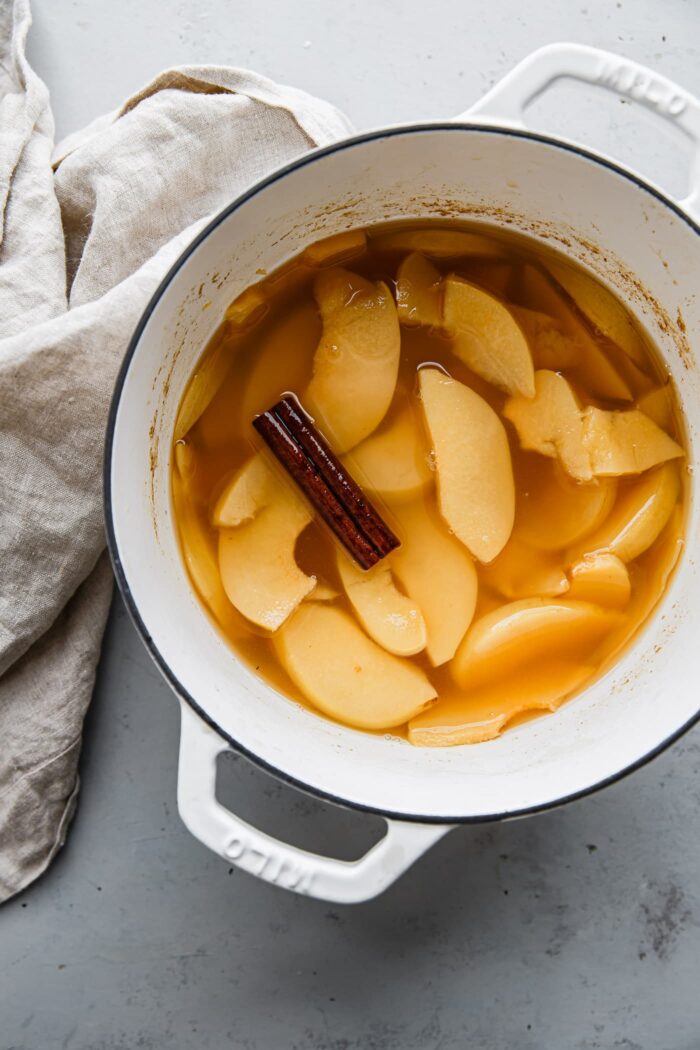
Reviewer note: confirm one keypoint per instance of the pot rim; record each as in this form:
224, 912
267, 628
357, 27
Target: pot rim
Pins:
122, 582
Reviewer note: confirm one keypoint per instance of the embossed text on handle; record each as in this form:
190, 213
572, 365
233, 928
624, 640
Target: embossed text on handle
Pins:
272, 866
638, 84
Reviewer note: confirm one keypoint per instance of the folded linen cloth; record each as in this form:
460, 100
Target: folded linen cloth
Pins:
86, 233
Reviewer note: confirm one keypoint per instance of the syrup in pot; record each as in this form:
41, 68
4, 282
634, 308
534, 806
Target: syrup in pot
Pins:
512, 426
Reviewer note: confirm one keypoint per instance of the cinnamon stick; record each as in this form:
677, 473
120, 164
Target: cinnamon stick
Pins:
348, 492
302, 451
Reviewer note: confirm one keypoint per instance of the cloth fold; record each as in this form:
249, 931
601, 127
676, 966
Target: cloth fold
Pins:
87, 231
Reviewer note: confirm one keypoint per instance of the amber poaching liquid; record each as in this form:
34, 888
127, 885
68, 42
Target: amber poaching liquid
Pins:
272, 353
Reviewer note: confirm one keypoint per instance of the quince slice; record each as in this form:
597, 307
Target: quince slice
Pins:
476, 492
595, 371
602, 309
553, 510
551, 424
639, 515
393, 620
347, 675
625, 442
483, 713
418, 292
486, 336
394, 462
440, 243
335, 249
525, 631
357, 360
522, 571
602, 579
438, 573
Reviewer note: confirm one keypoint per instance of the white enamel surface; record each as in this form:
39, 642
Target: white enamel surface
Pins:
291, 868
509, 98
548, 192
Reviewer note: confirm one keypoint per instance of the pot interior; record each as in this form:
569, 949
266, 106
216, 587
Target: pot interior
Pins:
632, 239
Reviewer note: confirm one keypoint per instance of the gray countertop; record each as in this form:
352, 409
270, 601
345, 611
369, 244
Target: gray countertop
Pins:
578, 929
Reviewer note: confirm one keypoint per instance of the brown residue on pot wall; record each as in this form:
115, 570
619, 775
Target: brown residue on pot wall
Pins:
153, 466
162, 381
584, 250
161, 388
153, 457
314, 222
317, 221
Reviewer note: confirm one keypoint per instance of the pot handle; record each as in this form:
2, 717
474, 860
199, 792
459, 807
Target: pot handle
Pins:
507, 100
343, 882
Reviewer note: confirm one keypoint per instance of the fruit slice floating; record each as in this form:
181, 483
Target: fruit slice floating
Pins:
203, 385
495, 275
289, 345
602, 579
476, 492
522, 632
249, 308
257, 565
347, 675
596, 372
439, 575
357, 359
655, 574
185, 459
639, 515
549, 344
336, 249
553, 510
418, 292
393, 620
441, 244
625, 442
250, 489
482, 713
591, 441
522, 571
657, 405
486, 336
323, 592
394, 462
199, 554
550, 423
602, 309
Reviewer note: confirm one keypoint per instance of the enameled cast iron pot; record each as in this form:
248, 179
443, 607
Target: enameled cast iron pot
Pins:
483, 166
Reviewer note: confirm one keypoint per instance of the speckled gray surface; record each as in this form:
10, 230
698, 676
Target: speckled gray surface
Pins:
571, 931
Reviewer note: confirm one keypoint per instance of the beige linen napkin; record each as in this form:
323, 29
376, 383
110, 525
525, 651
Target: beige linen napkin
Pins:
85, 237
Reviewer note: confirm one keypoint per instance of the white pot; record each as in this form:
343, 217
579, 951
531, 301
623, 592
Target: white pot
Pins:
486, 167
